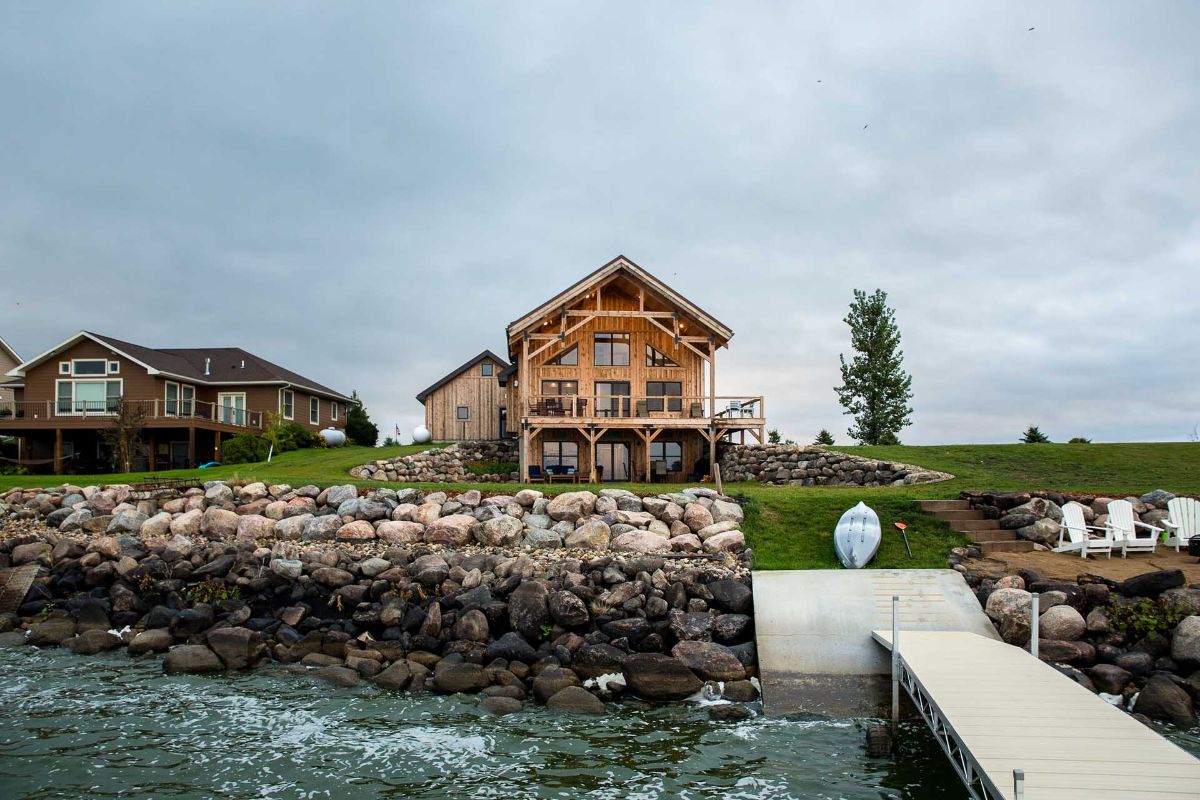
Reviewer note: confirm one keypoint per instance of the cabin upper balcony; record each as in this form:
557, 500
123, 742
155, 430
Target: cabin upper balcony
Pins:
632, 411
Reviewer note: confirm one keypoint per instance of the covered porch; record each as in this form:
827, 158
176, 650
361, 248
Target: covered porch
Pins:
83, 451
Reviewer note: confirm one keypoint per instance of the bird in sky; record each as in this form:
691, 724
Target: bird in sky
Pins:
866, 126
1029, 29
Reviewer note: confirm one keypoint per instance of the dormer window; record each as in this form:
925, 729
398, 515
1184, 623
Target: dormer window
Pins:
486, 369
567, 358
656, 358
611, 350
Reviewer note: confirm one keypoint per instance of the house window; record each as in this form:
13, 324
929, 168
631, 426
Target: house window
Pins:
187, 400
463, 412
668, 453
656, 358
560, 388
486, 369
87, 397
567, 358
314, 411
612, 398
287, 403
611, 350
171, 399
560, 454
333, 409
114, 367
89, 366
64, 368
671, 389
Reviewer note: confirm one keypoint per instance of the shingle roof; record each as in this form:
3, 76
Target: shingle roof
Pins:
460, 370
11, 353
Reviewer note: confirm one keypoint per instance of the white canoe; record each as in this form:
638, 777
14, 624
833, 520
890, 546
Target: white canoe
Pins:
857, 536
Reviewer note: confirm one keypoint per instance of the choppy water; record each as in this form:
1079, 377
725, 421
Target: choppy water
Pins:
108, 726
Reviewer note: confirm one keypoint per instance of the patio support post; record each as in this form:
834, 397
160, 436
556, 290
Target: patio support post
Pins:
58, 448
192, 447
153, 451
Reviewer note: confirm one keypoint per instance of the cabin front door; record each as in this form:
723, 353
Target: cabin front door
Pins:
613, 460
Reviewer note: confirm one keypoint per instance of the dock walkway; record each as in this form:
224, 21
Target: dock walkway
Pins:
994, 709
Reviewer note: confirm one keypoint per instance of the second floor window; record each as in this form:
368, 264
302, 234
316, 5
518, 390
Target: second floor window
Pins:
567, 358
287, 404
486, 369
314, 411
88, 397
611, 350
659, 389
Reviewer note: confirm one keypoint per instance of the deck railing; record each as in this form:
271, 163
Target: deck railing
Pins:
26, 411
723, 409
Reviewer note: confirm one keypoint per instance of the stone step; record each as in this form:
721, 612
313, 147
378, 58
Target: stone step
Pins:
964, 525
944, 505
990, 536
953, 514
1020, 546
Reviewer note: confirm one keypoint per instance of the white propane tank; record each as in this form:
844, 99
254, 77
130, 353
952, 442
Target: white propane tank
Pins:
333, 437
421, 435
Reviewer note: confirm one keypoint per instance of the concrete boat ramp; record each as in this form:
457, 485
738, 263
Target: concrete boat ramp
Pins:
1013, 727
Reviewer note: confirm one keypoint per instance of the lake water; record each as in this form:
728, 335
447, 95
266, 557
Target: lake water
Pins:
109, 726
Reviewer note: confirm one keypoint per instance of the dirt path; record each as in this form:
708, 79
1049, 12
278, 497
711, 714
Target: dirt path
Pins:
1063, 566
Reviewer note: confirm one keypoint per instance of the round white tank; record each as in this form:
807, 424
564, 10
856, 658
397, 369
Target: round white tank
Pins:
333, 437
421, 435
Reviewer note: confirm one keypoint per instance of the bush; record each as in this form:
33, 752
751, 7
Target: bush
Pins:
245, 448
294, 436
1033, 435
1146, 617
1078, 440
492, 467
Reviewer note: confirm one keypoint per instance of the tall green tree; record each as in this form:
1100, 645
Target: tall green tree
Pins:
1033, 435
875, 388
824, 438
359, 428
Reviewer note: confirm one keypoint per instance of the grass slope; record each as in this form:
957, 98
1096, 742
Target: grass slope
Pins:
791, 527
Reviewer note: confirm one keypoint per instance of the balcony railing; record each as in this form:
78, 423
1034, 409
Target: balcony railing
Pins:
26, 411
723, 409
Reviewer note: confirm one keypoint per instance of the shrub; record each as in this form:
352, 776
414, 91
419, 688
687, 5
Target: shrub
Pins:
1146, 617
1078, 440
245, 448
1033, 435
492, 467
824, 438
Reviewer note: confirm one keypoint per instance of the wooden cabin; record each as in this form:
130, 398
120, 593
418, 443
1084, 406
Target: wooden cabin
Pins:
614, 379
468, 403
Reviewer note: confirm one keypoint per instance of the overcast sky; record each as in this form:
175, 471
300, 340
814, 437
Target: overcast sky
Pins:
368, 193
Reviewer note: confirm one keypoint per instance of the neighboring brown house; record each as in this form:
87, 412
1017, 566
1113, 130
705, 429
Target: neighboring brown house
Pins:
468, 403
615, 380
8, 360
192, 398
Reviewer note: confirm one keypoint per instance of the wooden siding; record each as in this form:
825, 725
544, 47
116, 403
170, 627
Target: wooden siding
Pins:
483, 397
6, 363
693, 445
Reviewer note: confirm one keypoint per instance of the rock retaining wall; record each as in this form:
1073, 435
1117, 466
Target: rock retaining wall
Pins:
1036, 516
407, 604
444, 465
1135, 642
795, 465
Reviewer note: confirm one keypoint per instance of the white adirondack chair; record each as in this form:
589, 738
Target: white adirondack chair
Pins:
1123, 529
1183, 521
1078, 534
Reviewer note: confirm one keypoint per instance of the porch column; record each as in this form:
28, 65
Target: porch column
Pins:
217, 446
712, 453
524, 452
192, 447
153, 451
58, 443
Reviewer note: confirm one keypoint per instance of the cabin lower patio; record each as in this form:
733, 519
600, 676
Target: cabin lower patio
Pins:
643, 454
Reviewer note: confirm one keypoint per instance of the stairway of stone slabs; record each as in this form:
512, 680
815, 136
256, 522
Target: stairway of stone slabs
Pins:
985, 533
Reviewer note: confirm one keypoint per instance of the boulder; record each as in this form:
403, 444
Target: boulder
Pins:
52, 631
155, 640
709, 660
255, 526
511, 647
726, 511
238, 648
1043, 531
1062, 622
332, 577
552, 680
338, 676
654, 676
571, 506
638, 541
575, 700
339, 494
1109, 678
357, 531
452, 530
697, 517
732, 595
400, 532
1151, 584
89, 643
191, 658
451, 678
472, 626
398, 676
528, 610
501, 531
218, 523
1185, 642
729, 542
1161, 698
568, 610
1064, 652
593, 535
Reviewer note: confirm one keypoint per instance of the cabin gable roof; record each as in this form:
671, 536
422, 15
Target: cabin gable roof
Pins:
423, 395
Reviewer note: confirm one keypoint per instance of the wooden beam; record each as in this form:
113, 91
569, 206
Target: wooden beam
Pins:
668, 332
557, 338
192, 447
599, 313
58, 446
153, 450
712, 379
524, 454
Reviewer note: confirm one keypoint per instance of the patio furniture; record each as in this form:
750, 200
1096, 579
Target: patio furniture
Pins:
1122, 527
643, 408
659, 472
561, 474
696, 410
1182, 522
535, 474
1079, 536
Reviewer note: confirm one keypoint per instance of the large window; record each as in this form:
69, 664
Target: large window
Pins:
567, 358
670, 389
560, 454
314, 411
611, 350
612, 398
88, 397
558, 388
179, 399
668, 453
656, 358
287, 403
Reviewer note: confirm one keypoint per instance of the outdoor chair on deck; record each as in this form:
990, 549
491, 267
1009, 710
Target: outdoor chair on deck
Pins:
1079, 534
1122, 527
1182, 522
535, 474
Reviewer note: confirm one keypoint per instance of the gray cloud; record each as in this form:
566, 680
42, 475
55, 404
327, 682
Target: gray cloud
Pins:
369, 193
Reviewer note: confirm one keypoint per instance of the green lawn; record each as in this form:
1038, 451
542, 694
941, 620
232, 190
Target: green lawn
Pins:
790, 527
